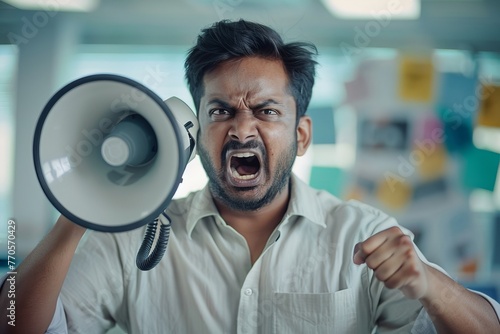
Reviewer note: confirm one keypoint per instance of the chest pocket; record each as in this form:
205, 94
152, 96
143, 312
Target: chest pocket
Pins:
315, 313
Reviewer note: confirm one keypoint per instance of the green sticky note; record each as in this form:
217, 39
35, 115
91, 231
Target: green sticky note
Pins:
480, 169
330, 179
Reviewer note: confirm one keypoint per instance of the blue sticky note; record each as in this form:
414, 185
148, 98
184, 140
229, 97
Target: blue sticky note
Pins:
457, 90
323, 125
480, 169
457, 129
330, 179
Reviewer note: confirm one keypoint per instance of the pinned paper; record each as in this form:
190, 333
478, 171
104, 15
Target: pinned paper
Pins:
480, 169
489, 112
456, 90
395, 193
383, 134
436, 187
434, 163
457, 129
429, 128
356, 90
428, 152
380, 76
323, 124
416, 79
330, 179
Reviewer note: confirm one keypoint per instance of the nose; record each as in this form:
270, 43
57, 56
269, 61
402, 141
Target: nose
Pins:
243, 127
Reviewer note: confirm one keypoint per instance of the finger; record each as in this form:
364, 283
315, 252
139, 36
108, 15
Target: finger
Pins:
358, 256
404, 278
394, 246
364, 249
389, 267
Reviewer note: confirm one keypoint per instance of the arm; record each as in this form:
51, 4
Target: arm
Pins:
452, 308
39, 279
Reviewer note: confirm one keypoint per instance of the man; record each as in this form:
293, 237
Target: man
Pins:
257, 250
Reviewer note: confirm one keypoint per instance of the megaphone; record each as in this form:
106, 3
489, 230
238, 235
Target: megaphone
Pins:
110, 154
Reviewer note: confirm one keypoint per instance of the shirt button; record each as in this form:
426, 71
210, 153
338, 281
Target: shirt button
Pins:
248, 292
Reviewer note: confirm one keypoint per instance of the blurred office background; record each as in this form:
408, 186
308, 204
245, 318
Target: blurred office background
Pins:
406, 107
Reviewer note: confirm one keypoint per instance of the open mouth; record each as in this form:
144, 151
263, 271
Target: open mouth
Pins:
244, 166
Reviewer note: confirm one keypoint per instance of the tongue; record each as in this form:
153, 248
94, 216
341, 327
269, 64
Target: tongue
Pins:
246, 170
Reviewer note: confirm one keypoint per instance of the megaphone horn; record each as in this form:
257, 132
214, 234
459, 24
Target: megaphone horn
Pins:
109, 153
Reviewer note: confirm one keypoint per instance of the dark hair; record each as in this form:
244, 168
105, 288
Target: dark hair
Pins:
226, 40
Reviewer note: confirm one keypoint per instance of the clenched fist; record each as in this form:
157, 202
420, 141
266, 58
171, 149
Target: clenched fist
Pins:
395, 262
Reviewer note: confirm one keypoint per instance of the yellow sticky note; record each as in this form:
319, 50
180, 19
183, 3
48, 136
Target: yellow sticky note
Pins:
489, 111
433, 163
395, 193
416, 79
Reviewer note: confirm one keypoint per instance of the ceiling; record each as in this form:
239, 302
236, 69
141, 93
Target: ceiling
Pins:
450, 24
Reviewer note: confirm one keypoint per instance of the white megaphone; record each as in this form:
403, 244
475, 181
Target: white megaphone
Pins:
109, 154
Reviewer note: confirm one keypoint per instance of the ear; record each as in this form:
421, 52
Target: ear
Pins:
304, 134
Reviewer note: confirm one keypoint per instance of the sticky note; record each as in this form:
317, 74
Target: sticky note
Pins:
330, 179
436, 187
383, 134
433, 163
457, 129
489, 111
456, 89
480, 169
323, 124
416, 79
394, 193
356, 90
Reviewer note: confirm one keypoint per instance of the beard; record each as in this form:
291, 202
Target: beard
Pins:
280, 177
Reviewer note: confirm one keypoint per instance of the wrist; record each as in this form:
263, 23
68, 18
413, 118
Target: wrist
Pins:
68, 228
440, 290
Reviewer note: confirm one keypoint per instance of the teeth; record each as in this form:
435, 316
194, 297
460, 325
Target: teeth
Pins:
237, 175
243, 155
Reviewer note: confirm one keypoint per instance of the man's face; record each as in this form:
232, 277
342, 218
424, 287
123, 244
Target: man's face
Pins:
247, 141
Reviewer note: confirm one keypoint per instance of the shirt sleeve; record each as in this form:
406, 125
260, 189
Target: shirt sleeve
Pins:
58, 324
493, 302
93, 291
392, 311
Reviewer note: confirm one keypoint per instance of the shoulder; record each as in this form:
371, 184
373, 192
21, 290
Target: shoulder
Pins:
357, 218
335, 213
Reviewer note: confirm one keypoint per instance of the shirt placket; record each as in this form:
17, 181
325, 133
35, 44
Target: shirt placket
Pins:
250, 317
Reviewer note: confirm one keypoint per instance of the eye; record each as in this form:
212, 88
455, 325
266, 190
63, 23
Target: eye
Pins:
219, 114
218, 111
269, 112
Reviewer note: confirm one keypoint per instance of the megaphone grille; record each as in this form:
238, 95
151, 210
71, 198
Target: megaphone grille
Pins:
72, 172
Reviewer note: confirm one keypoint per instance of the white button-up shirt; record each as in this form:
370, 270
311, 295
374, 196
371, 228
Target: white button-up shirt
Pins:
304, 281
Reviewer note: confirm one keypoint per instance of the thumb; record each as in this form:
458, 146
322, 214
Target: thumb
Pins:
358, 255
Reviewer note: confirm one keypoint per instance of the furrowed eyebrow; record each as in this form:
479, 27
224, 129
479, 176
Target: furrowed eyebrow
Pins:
265, 104
225, 105
221, 103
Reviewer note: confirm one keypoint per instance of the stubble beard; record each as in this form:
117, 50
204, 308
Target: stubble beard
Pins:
219, 190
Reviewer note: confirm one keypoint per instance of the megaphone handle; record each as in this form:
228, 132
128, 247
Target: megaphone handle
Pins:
145, 260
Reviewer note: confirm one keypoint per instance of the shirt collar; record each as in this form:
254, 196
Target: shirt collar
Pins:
202, 206
302, 203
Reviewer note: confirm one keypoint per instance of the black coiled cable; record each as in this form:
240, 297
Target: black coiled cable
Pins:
145, 260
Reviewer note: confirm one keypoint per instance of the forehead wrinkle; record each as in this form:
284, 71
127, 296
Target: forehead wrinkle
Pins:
240, 87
